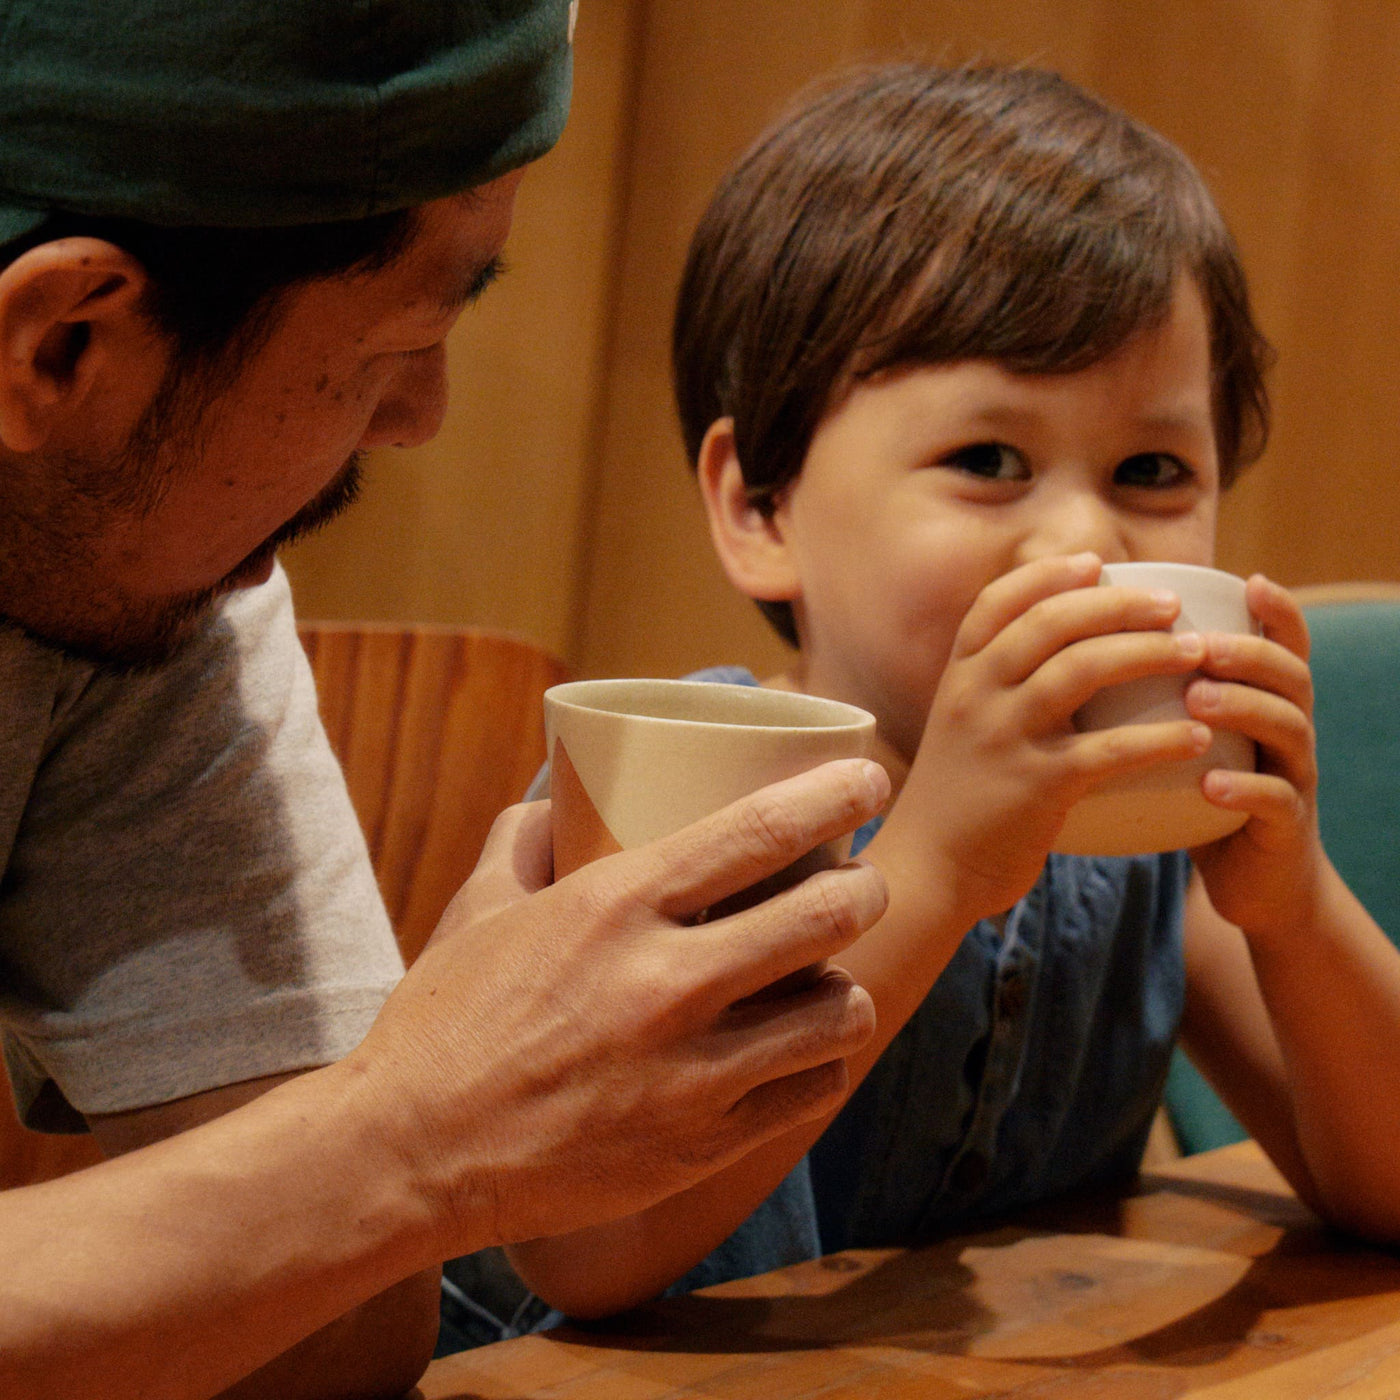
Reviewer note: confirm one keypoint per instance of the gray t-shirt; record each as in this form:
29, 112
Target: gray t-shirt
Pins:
186, 898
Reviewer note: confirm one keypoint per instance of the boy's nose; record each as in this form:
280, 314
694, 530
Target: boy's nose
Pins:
411, 409
1073, 525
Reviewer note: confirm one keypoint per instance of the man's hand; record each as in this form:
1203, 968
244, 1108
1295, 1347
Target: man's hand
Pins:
564, 1054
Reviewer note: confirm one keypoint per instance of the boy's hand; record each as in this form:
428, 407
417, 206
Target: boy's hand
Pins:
1001, 762
1263, 876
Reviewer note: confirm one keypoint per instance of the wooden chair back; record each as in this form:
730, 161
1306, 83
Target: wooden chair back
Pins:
438, 730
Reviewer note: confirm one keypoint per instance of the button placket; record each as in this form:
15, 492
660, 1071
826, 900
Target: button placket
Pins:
970, 1168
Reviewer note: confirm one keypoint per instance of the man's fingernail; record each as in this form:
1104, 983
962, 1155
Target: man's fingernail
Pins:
877, 780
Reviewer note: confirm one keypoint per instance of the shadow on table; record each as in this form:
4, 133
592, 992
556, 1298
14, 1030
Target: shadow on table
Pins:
1083, 1295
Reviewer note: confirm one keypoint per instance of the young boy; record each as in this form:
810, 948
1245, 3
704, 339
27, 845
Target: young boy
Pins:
946, 343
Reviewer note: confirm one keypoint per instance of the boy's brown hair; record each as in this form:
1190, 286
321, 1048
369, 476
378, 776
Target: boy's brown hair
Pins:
914, 214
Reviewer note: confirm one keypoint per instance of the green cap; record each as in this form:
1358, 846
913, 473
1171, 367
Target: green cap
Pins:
265, 113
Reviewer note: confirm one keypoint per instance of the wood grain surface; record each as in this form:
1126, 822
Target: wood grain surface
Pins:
1208, 1280
438, 730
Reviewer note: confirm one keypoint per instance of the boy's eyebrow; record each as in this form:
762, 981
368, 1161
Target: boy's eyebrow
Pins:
472, 285
1165, 420
1183, 420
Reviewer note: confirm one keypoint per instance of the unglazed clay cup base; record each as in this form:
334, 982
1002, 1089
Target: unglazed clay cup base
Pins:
1163, 808
634, 760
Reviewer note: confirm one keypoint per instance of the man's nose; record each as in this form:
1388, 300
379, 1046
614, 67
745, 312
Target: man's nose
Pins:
411, 408
1072, 524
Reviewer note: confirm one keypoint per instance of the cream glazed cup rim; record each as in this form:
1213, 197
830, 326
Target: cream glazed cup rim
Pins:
772, 709
1203, 571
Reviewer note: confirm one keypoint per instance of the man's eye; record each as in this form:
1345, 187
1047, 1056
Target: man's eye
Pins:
993, 460
1155, 470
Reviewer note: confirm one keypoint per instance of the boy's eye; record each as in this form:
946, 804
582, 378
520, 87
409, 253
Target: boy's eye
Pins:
993, 460
1155, 470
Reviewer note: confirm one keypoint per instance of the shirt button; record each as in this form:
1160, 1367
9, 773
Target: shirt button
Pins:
1011, 1000
969, 1173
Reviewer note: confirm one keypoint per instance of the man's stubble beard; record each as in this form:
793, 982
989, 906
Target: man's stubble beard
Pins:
150, 636
139, 636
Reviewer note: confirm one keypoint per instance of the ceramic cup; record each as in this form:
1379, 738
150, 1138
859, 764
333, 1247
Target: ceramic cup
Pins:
634, 760
1162, 808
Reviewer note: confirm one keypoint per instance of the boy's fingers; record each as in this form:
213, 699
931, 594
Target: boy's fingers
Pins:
1057, 623
1262, 663
1074, 674
1126, 748
1277, 725
1279, 614
1265, 796
758, 836
1006, 598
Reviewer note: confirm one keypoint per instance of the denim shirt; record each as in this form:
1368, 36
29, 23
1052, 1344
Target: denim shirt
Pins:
1034, 1066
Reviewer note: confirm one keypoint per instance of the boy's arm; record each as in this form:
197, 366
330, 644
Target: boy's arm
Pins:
1299, 1031
998, 766
604, 1269
1293, 993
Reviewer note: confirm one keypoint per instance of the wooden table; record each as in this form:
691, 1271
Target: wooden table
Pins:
1210, 1280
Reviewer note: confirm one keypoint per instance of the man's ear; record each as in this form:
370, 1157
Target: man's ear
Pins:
72, 333
751, 545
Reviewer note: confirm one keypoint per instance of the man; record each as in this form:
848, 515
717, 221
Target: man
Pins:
234, 238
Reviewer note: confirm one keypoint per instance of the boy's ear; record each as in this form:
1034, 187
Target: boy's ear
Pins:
72, 334
751, 545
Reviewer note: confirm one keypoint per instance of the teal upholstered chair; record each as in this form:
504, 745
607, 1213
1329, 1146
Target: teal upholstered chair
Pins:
1356, 676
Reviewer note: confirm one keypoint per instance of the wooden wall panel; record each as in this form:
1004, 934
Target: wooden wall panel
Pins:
711, 75
438, 730
557, 501
1291, 111
482, 525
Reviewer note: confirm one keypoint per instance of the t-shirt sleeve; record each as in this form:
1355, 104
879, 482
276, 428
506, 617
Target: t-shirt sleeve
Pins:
189, 901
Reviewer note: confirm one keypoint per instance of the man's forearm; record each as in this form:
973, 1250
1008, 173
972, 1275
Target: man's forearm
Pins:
558, 1055
180, 1268
377, 1350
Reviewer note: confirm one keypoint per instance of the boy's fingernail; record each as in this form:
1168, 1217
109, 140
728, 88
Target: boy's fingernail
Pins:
1218, 783
1201, 737
1191, 644
1164, 598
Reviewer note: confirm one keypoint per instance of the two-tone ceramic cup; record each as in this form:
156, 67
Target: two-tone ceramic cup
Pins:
1162, 808
634, 760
